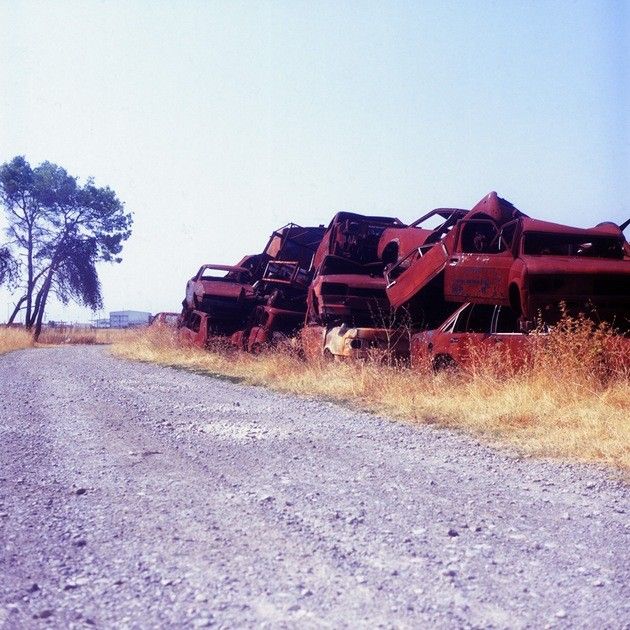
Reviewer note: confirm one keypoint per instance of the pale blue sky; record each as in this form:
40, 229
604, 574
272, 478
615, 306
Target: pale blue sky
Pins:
218, 121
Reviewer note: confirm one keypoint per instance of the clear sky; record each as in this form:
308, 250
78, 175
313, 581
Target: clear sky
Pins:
216, 122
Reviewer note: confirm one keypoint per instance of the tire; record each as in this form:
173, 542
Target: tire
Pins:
515, 300
444, 363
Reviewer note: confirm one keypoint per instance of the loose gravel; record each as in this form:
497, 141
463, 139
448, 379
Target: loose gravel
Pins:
139, 496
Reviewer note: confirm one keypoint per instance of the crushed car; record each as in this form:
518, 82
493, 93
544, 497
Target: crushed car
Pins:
348, 285
282, 291
533, 266
475, 332
224, 292
229, 294
416, 282
347, 291
470, 331
496, 254
344, 342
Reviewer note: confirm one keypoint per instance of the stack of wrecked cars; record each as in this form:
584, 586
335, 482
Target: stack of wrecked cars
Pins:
259, 299
370, 285
348, 313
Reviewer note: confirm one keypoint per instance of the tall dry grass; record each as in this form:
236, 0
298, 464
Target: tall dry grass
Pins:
58, 335
14, 338
570, 399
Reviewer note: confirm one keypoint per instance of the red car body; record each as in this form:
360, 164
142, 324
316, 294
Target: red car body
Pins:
419, 276
498, 255
348, 285
224, 292
398, 242
343, 292
470, 331
533, 265
475, 331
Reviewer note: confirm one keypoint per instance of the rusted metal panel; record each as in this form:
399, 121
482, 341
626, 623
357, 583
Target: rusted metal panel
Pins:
194, 328
498, 255
367, 343
476, 331
272, 324
348, 285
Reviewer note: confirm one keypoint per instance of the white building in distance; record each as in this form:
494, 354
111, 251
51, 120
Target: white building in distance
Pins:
127, 319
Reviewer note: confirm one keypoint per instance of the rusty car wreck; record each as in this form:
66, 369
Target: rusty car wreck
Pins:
347, 307
369, 284
234, 299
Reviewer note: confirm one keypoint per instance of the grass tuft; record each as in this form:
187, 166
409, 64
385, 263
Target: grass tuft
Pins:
17, 337
14, 338
571, 399
59, 335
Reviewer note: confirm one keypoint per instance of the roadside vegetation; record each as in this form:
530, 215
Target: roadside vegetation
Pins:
14, 339
18, 338
57, 231
569, 400
89, 336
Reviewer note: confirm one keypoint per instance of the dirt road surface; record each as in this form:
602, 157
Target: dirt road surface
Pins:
139, 496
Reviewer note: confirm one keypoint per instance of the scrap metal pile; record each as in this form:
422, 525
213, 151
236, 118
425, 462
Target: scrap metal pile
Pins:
368, 284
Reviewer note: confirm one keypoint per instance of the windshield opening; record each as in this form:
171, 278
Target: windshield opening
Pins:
546, 244
222, 275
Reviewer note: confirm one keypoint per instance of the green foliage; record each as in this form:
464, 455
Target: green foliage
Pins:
58, 231
8, 267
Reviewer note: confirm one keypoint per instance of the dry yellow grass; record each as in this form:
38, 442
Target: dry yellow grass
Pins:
565, 403
14, 339
77, 335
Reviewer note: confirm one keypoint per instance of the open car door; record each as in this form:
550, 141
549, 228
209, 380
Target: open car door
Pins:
478, 269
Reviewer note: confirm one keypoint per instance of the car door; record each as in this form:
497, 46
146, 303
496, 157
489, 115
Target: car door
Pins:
462, 339
478, 269
507, 339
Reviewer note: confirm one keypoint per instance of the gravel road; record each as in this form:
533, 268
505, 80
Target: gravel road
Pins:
140, 496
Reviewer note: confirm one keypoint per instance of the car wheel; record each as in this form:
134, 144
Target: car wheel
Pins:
444, 363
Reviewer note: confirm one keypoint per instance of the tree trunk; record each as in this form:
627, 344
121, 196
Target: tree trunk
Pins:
42, 296
17, 309
36, 306
29, 282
